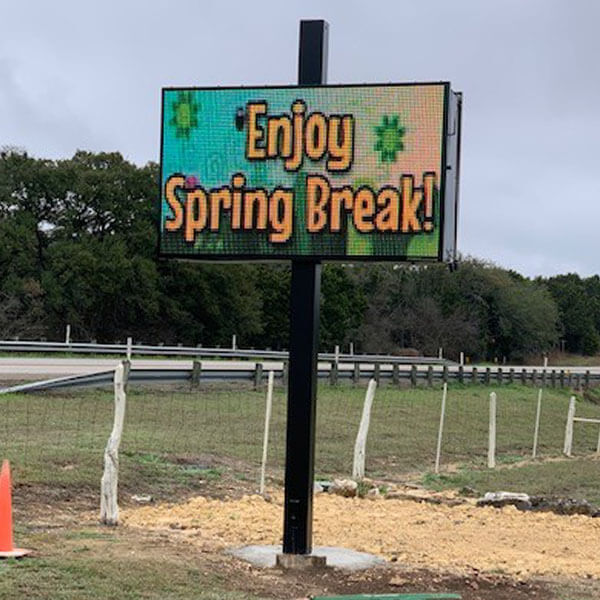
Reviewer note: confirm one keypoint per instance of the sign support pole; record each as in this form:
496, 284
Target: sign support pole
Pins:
304, 339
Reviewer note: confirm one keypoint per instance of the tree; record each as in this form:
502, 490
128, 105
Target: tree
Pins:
101, 289
273, 283
578, 312
342, 306
479, 309
208, 303
78, 245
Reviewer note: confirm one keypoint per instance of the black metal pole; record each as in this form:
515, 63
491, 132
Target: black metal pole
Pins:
304, 340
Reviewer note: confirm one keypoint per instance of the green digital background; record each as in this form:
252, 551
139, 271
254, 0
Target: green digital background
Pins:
399, 130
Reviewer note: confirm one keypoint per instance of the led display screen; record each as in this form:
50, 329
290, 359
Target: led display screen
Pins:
329, 172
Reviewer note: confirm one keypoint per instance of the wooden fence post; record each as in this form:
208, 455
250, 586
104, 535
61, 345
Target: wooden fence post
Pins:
109, 508
511, 376
358, 467
488, 376
568, 445
413, 376
377, 372
536, 431
445, 374
196, 373
533, 377
333, 373
268, 409
474, 375
430, 376
492, 433
587, 378
438, 450
356, 374
258, 370
461, 374
523, 376
396, 374
284, 373
553, 378
499, 376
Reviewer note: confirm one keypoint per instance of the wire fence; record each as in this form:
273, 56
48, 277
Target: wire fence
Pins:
177, 440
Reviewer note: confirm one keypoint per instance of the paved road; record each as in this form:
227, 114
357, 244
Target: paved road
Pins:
12, 369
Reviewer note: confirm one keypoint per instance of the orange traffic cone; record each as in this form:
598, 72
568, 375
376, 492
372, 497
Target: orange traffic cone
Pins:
6, 529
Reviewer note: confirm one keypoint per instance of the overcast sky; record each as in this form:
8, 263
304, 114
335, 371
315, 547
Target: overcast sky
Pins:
87, 75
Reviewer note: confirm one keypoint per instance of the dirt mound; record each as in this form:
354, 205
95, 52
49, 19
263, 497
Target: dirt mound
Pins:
436, 536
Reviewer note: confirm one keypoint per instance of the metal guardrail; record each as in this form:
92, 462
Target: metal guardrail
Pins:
429, 375
200, 351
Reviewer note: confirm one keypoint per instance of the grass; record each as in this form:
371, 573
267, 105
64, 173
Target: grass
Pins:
177, 442
576, 478
176, 439
89, 563
565, 359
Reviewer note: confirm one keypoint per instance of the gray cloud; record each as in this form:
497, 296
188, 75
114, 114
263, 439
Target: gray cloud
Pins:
82, 75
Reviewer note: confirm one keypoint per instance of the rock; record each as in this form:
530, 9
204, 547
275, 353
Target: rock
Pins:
396, 495
325, 485
501, 499
374, 494
559, 506
429, 499
318, 488
344, 487
564, 506
142, 499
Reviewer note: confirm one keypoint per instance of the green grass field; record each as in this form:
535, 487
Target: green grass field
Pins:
173, 438
177, 442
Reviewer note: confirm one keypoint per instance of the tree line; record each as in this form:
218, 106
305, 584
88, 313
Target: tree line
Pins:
78, 240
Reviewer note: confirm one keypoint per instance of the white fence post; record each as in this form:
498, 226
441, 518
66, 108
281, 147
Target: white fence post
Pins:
268, 408
492, 433
438, 450
536, 431
68, 335
568, 447
462, 359
129, 344
358, 468
109, 508
234, 342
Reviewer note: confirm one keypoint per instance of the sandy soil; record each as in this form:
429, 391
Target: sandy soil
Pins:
444, 537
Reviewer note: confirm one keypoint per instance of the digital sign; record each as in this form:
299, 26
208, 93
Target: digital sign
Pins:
328, 172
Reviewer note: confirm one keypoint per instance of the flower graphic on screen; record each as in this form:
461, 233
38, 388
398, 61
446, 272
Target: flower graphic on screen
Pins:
389, 138
185, 117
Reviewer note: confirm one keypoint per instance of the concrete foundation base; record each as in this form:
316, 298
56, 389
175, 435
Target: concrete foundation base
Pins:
324, 556
300, 562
